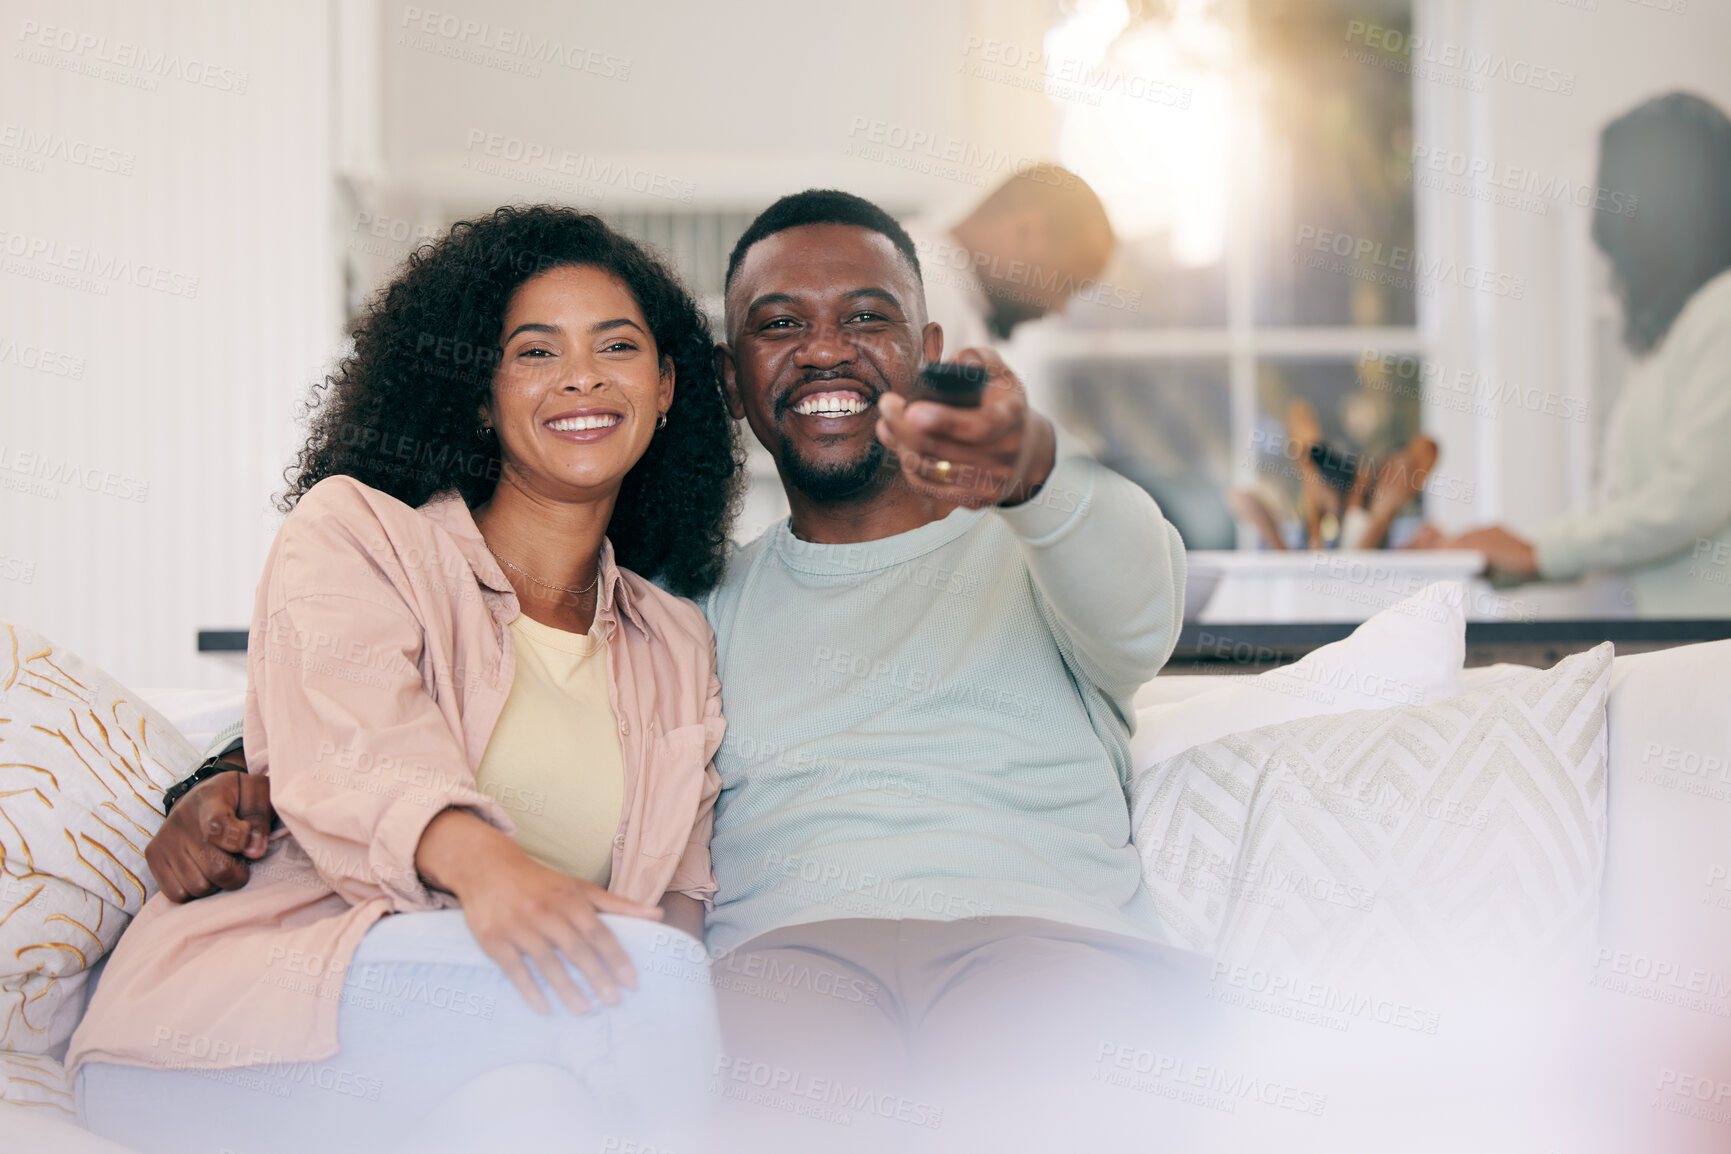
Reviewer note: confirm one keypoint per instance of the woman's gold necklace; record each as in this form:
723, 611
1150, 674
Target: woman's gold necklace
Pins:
589, 588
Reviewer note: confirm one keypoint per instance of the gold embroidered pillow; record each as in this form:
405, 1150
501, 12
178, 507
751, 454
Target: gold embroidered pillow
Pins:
83, 765
1432, 844
37, 1081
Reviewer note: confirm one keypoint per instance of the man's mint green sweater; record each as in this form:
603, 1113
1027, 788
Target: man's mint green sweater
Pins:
936, 724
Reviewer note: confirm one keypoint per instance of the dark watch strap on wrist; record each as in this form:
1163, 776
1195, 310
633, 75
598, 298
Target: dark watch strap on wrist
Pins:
211, 768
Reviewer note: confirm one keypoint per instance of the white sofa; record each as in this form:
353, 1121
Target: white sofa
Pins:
1656, 1021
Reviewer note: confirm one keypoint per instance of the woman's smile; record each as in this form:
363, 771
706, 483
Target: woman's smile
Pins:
584, 425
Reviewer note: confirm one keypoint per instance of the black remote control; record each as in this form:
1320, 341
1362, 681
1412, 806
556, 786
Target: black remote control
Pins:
951, 384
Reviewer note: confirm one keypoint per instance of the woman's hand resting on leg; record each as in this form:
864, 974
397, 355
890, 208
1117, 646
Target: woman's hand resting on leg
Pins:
522, 912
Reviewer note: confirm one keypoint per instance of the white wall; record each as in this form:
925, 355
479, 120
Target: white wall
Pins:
137, 506
737, 103
1528, 465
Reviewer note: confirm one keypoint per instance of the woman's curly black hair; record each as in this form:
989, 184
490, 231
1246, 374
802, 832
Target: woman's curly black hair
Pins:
401, 413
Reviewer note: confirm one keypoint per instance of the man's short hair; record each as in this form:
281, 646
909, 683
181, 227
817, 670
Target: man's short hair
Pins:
822, 206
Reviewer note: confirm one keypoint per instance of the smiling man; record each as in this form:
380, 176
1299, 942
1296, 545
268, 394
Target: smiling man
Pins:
922, 843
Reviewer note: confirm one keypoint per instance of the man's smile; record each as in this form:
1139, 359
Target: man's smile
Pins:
844, 403
828, 405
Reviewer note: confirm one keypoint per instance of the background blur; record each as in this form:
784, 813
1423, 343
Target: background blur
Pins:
195, 195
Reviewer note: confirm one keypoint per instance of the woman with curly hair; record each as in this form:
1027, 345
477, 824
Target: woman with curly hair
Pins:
477, 713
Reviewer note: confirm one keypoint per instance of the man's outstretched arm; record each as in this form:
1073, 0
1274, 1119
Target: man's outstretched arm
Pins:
1105, 559
1110, 566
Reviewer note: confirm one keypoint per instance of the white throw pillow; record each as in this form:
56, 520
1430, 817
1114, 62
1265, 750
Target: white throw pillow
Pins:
81, 785
1661, 976
199, 714
1668, 868
1459, 840
1409, 654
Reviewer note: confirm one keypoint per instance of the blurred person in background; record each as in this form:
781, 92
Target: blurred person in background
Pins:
1662, 515
1038, 239
1035, 243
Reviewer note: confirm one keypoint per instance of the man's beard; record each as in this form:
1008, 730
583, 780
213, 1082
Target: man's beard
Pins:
832, 482
1005, 312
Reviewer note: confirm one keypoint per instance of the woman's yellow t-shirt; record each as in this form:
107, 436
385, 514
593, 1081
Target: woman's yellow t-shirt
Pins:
554, 760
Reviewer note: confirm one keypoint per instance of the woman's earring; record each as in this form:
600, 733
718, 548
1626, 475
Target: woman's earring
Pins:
661, 422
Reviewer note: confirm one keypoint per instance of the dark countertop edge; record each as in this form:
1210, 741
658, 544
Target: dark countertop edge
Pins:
1232, 641
1308, 634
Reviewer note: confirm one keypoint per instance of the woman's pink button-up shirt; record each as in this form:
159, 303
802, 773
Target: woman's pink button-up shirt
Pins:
378, 663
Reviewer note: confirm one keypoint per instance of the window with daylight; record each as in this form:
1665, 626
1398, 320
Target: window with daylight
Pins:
1265, 278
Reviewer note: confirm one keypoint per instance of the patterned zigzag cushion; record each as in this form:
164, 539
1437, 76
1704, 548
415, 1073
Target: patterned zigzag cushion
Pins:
83, 765
1460, 841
